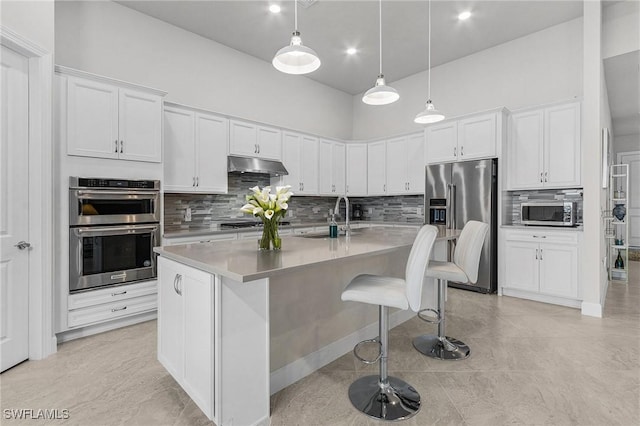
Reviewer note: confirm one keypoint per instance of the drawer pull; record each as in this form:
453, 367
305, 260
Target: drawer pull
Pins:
539, 236
118, 294
119, 309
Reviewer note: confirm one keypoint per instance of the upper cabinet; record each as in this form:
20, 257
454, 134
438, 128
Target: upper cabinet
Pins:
300, 157
470, 138
544, 148
106, 120
254, 140
377, 168
405, 165
195, 144
356, 169
332, 163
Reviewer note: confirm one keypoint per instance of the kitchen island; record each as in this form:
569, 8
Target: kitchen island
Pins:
236, 324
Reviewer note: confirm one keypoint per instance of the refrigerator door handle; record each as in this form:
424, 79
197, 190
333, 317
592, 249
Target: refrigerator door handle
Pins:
454, 208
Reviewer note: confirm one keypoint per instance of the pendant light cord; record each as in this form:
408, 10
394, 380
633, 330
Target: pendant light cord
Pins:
295, 14
380, 32
429, 76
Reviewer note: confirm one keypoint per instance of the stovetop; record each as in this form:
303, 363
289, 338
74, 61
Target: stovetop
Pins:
245, 224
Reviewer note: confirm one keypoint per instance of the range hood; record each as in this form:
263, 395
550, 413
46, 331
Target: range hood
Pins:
237, 164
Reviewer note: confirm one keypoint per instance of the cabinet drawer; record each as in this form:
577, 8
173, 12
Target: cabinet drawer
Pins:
108, 311
566, 237
111, 294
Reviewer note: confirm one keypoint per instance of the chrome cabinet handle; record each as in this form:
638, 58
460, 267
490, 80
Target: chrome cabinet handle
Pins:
197, 181
455, 150
539, 236
541, 177
121, 147
302, 182
175, 282
409, 186
180, 286
258, 148
119, 309
118, 294
541, 254
462, 150
384, 188
536, 254
194, 181
22, 245
116, 142
546, 174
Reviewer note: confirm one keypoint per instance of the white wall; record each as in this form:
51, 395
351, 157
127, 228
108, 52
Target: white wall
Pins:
626, 143
31, 19
620, 30
109, 39
542, 67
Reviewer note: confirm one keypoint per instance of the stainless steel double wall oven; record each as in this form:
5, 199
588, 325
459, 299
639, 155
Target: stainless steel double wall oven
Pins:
114, 224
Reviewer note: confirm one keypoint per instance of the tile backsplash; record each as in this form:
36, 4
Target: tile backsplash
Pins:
207, 210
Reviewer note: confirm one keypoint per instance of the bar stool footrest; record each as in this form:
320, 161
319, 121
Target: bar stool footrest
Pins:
429, 319
395, 400
364, 360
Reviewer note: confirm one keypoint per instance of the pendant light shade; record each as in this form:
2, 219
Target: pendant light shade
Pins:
380, 94
430, 114
296, 58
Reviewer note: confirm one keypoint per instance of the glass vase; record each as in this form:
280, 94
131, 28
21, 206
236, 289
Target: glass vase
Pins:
270, 239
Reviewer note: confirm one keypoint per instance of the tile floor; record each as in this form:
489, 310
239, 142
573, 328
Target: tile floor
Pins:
531, 364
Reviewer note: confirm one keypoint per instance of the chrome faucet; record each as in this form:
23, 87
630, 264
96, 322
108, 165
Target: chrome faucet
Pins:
336, 211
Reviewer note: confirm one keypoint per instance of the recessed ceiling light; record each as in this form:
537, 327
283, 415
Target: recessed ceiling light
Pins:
274, 8
352, 51
464, 15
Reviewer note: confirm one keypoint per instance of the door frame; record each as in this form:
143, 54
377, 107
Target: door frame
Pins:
42, 339
619, 159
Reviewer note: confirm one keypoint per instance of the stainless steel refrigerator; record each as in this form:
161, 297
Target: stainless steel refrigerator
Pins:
458, 192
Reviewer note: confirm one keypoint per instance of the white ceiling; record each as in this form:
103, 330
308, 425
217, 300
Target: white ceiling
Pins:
330, 26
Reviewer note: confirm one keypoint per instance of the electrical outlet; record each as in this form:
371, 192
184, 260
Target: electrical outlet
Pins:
370, 210
187, 214
419, 210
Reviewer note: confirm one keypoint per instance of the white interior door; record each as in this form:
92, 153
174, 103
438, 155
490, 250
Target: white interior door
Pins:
633, 193
14, 196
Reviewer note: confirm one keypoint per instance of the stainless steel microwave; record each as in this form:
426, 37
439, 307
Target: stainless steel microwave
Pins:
548, 213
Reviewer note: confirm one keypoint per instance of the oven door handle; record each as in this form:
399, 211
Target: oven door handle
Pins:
95, 195
102, 230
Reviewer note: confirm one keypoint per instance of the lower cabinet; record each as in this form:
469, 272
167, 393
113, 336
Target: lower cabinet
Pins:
185, 297
542, 264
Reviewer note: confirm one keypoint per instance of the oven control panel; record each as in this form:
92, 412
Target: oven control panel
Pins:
78, 182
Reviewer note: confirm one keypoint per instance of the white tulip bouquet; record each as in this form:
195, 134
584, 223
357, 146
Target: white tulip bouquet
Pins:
271, 208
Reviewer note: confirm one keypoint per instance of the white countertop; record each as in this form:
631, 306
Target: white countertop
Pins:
241, 260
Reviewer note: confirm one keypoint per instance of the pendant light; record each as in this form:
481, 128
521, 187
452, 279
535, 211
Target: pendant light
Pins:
430, 114
380, 94
296, 58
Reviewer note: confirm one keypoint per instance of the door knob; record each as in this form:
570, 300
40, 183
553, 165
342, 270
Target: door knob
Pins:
22, 245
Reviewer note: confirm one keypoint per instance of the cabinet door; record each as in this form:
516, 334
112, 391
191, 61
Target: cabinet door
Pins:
198, 380
377, 168
356, 169
477, 137
140, 118
309, 165
292, 146
179, 146
396, 166
170, 318
521, 266
243, 138
339, 168
415, 163
269, 143
562, 146
525, 150
92, 119
442, 142
559, 270
211, 153
325, 167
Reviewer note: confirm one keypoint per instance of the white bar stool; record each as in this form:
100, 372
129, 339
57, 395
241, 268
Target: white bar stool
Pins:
463, 269
383, 397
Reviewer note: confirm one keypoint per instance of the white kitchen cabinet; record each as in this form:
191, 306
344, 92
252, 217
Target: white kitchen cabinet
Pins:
186, 297
465, 139
356, 169
104, 120
377, 168
332, 163
405, 165
542, 265
195, 151
544, 148
254, 140
300, 157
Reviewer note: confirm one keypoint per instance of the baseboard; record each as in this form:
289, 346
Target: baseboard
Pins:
592, 309
302, 367
538, 297
65, 336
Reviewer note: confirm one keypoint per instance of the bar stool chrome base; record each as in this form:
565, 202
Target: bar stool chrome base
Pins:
396, 400
448, 348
